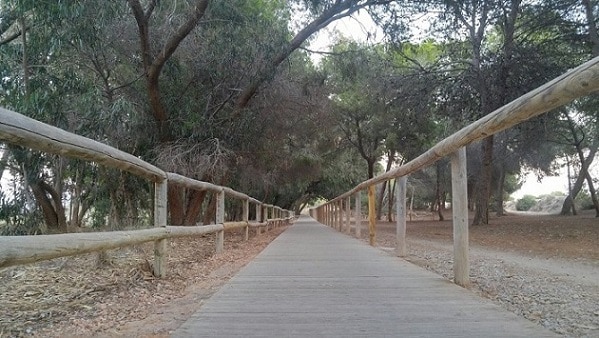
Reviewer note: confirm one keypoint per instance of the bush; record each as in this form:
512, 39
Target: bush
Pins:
525, 203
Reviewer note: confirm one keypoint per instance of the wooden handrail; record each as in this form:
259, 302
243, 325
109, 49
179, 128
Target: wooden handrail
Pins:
16, 250
24, 131
578, 82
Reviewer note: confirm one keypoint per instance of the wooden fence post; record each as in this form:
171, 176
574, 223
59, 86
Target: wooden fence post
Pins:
246, 218
459, 202
371, 216
339, 215
400, 207
358, 214
348, 214
258, 218
220, 219
266, 217
160, 212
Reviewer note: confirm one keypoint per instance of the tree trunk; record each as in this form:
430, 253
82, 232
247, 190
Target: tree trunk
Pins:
52, 209
381, 198
391, 199
499, 193
176, 207
438, 190
194, 206
210, 213
585, 172
568, 205
481, 215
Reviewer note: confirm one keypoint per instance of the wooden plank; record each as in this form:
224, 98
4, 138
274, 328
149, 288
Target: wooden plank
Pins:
191, 183
371, 216
235, 194
358, 214
314, 282
578, 82
227, 226
348, 214
246, 218
220, 219
160, 215
258, 217
24, 131
400, 207
19, 250
459, 203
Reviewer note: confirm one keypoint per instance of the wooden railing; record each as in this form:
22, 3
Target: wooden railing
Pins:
576, 83
15, 250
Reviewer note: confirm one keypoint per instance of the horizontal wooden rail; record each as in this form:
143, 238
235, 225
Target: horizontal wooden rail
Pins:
22, 130
18, 250
191, 183
580, 81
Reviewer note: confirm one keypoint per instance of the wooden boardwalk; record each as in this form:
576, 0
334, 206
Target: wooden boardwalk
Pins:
313, 281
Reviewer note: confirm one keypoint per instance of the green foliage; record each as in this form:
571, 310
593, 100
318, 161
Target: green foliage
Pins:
526, 202
583, 200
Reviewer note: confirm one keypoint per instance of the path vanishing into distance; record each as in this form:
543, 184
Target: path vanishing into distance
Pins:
314, 281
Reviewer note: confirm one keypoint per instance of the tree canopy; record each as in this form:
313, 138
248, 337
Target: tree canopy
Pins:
227, 92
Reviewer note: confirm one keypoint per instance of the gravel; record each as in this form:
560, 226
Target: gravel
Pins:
561, 295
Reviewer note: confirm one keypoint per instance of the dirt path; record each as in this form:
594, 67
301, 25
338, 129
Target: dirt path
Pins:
577, 270
544, 268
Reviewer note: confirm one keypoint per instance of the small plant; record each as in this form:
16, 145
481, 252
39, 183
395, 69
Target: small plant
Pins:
526, 202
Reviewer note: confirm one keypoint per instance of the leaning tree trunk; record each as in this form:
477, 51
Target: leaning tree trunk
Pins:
568, 206
52, 209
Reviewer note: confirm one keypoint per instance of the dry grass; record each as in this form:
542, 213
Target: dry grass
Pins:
98, 294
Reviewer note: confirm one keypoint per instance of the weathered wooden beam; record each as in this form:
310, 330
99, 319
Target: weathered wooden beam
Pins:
246, 218
348, 214
24, 131
191, 183
235, 194
220, 219
459, 203
160, 214
400, 207
371, 216
358, 214
578, 82
18, 250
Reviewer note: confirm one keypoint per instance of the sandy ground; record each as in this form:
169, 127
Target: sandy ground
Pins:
544, 268
116, 295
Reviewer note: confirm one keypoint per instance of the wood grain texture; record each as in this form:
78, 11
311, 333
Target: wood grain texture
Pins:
18, 250
24, 131
400, 207
459, 202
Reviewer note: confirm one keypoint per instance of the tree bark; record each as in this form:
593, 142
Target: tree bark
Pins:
481, 215
339, 10
194, 207
153, 64
438, 191
52, 209
391, 199
499, 194
568, 206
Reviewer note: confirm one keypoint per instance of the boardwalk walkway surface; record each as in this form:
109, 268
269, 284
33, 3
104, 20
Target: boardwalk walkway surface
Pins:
315, 282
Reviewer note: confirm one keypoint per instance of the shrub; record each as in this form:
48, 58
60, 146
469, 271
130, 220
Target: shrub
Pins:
525, 203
